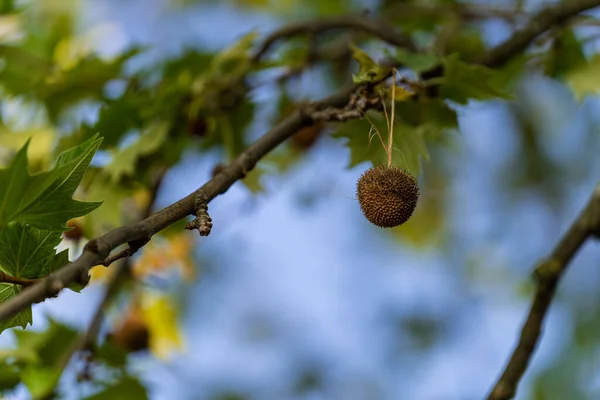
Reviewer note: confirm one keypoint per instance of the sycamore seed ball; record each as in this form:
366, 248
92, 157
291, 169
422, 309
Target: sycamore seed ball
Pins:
387, 195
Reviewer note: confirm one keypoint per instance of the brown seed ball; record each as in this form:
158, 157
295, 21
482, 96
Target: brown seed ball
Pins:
387, 195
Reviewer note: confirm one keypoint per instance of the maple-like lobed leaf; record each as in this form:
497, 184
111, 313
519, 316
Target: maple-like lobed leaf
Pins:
44, 200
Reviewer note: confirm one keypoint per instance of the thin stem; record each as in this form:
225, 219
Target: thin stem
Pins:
391, 129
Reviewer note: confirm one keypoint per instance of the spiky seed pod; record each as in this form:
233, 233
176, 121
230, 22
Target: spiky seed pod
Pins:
387, 195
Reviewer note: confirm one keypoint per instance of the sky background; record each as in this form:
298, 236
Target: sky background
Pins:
296, 279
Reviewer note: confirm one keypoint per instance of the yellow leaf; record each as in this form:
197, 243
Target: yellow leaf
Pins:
585, 80
141, 198
42, 140
162, 254
161, 319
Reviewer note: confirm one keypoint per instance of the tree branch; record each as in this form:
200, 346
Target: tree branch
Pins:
97, 250
521, 39
540, 23
376, 28
548, 275
120, 274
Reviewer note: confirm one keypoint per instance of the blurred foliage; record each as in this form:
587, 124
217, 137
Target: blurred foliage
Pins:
200, 101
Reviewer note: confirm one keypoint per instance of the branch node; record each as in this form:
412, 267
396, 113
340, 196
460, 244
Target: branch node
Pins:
202, 222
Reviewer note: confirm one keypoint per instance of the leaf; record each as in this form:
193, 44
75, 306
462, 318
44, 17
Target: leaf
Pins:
40, 380
234, 60
161, 318
253, 180
50, 346
86, 80
127, 388
409, 143
418, 62
9, 377
425, 228
113, 211
230, 129
463, 82
111, 354
115, 119
566, 54
29, 252
368, 71
585, 80
21, 319
150, 141
44, 200
42, 139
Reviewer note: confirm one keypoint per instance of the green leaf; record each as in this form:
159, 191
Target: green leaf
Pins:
40, 380
150, 141
230, 129
29, 252
44, 200
427, 111
463, 82
566, 54
9, 376
409, 143
86, 80
112, 354
253, 180
116, 118
21, 319
127, 388
50, 346
418, 62
368, 71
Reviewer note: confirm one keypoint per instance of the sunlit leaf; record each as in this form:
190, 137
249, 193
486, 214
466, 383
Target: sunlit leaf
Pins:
161, 318
368, 71
164, 254
585, 80
124, 161
42, 139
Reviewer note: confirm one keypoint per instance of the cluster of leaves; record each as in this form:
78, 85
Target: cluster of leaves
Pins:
34, 210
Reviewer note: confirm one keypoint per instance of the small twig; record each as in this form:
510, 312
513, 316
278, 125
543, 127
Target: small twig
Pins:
131, 249
548, 275
6, 278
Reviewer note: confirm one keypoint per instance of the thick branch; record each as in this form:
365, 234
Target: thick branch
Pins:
376, 28
548, 275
